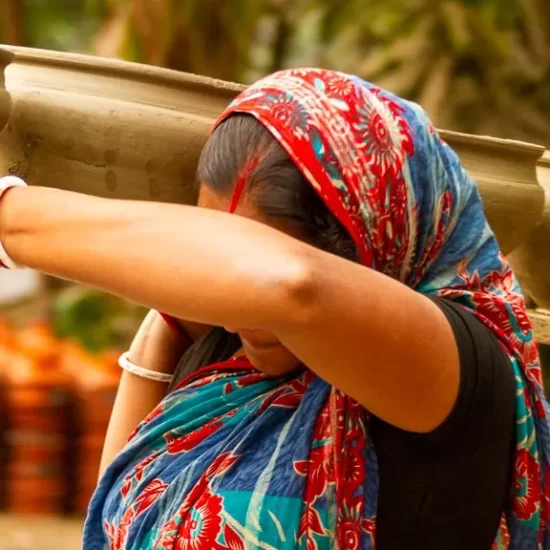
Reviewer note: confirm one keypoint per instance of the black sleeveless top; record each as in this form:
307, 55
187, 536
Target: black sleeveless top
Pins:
446, 490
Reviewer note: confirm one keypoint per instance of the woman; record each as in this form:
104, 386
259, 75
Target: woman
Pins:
376, 381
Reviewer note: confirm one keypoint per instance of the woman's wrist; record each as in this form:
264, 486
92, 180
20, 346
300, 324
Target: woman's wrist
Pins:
11, 219
128, 365
145, 361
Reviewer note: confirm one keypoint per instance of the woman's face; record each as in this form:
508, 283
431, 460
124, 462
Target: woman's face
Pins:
262, 348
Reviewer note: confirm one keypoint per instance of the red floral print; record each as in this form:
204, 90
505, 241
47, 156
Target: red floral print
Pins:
149, 495
184, 443
202, 524
526, 475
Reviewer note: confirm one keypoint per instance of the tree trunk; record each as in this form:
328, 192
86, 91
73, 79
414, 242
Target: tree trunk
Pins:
12, 22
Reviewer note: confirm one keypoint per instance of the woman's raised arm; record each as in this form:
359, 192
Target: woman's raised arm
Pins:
372, 337
196, 264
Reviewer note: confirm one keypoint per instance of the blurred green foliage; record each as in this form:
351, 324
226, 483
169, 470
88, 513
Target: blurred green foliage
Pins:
97, 320
68, 25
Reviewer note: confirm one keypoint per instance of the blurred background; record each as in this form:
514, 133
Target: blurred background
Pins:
477, 66
480, 66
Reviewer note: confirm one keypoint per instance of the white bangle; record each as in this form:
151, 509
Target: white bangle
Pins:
127, 365
6, 183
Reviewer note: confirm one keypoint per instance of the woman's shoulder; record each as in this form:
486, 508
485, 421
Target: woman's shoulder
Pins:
432, 478
485, 403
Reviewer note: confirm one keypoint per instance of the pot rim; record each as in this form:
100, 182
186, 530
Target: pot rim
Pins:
524, 147
105, 66
6, 57
545, 159
227, 90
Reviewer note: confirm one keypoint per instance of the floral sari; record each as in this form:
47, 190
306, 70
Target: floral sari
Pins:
233, 459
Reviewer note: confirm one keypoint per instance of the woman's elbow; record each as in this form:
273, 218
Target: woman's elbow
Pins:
299, 287
281, 289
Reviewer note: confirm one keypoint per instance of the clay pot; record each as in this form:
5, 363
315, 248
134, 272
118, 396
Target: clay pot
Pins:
505, 172
106, 127
118, 129
124, 130
6, 58
531, 261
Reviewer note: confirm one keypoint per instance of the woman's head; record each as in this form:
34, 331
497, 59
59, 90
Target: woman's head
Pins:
274, 192
359, 172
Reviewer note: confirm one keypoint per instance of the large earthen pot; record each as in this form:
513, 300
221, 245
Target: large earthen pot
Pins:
124, 130
6, 58
118, 129
531, 260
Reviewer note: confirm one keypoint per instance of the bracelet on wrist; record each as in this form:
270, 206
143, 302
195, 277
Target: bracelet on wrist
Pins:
8, 182
127, 365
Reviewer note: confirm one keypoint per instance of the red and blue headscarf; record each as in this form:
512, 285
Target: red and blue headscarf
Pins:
233, 459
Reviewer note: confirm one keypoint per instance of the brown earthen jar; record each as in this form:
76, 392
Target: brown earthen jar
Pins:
531, 260
140, 131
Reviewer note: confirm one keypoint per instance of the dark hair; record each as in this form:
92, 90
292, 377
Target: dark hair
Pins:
278, 190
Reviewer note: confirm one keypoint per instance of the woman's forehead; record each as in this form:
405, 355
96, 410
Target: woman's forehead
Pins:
209, 199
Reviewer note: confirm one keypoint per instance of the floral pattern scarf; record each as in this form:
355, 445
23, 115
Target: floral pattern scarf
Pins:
235, 460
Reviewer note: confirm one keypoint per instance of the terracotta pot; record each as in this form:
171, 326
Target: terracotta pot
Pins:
119, 129
37, 396
531, 260
6, 58
24, 497
106, 127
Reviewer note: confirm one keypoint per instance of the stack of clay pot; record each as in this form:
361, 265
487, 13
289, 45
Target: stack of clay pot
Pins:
6, 336
55, 404
36, 408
